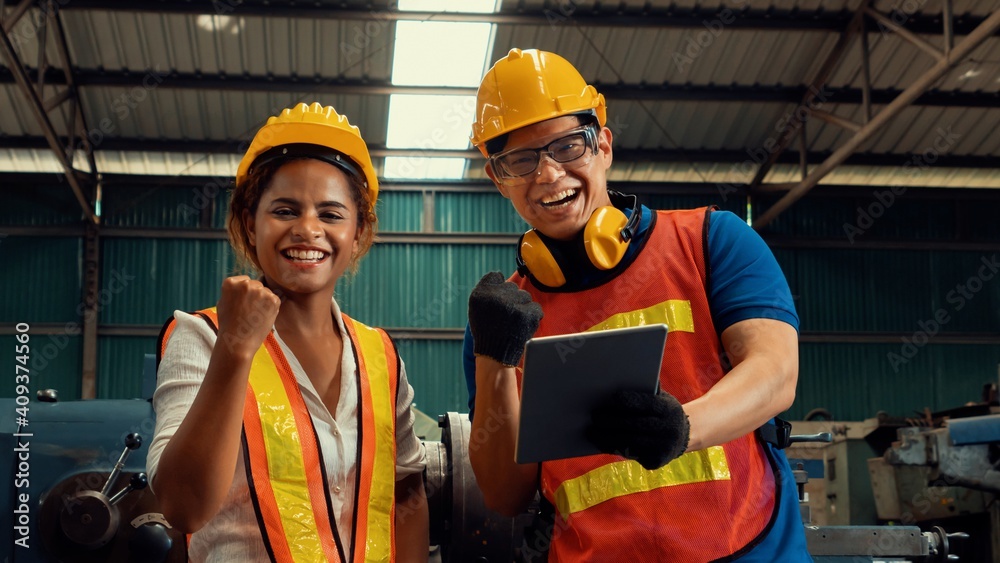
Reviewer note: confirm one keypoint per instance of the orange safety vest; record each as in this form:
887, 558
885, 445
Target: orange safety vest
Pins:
285, 470
704, 505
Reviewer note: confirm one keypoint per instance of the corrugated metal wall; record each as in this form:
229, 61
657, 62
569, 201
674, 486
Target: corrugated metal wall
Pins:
434, 369
841, 288
485, 212
42, 279
419, 285
855, 381
914, 298
54, 361
156, 276
120, 364
45, 204
153, 207
400, 212
871, 290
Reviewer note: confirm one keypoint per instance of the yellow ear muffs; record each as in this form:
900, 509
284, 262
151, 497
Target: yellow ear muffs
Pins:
602, 237
539, 260
605, 240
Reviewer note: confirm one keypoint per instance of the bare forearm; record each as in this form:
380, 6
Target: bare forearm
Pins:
760, 386
412, 520
507, 486
196, 469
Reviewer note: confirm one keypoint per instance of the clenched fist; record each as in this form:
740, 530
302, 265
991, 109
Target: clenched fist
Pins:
502, 318
247, 311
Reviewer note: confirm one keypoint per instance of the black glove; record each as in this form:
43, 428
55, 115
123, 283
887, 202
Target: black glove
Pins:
651, 429
502, 318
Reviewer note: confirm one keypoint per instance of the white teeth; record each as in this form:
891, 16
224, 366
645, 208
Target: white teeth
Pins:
558, 197
296, 254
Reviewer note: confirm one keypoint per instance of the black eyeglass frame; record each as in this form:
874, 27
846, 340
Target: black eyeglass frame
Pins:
589, 133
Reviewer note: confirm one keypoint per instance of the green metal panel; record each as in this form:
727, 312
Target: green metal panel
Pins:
893, 290
54, 361
417, 286
479, 212
979, 221
490, 213
126, 206
434, 370
880, 215
220, 208
736, 203
120, 363
400, 212
46, 204
855, 381
145, 280
42, 280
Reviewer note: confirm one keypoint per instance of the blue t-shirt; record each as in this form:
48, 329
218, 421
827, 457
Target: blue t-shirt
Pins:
745, 282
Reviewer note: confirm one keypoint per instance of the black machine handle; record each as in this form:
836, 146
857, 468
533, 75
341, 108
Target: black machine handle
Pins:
132, 442
136, 483
779, 434
821, 437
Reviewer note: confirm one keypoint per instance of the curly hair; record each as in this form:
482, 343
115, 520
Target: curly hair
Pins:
246, 196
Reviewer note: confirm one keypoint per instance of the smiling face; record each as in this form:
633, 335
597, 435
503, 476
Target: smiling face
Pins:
305, 229
556, 201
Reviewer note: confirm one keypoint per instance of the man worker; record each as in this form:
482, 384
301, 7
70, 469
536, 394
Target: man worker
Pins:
686, 476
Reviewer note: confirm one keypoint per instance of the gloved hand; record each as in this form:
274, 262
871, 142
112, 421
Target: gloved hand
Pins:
502, 318
651, 429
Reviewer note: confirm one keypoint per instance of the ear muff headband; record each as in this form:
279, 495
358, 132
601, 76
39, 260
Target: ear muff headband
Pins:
605, 238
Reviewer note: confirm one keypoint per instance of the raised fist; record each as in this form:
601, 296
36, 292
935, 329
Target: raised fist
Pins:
247, 311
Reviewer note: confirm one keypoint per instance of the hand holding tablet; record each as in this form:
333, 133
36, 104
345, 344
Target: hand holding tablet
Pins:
567, 376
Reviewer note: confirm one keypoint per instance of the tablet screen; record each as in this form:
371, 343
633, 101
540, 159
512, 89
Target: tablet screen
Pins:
566, 376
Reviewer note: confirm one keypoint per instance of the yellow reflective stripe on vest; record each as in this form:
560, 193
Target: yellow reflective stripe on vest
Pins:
675, 313
285, 467
622, 478
378, 544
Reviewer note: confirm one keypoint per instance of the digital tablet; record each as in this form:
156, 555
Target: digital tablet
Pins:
566, 376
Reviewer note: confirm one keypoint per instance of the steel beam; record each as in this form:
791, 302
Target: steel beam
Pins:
21, 180
949, 35
91, 288
736, 157
87, 78
832, 119
957, 55
906, 34
856, 26
803, 152
956, 339
866, 76
48, 130
15, 16
811, 243
568, 12
78, 119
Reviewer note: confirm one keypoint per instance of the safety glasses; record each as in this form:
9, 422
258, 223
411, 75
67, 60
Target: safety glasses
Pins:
516, 166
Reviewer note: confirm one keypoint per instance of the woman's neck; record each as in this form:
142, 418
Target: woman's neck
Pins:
305, 314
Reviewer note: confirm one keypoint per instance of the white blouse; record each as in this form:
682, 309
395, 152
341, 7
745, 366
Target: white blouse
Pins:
233, 534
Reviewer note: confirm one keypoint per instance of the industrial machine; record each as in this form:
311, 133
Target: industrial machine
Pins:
944, 470
77, 488
77, 485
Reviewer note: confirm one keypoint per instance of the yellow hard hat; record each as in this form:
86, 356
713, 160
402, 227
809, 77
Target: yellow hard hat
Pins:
527, 87
315, 131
